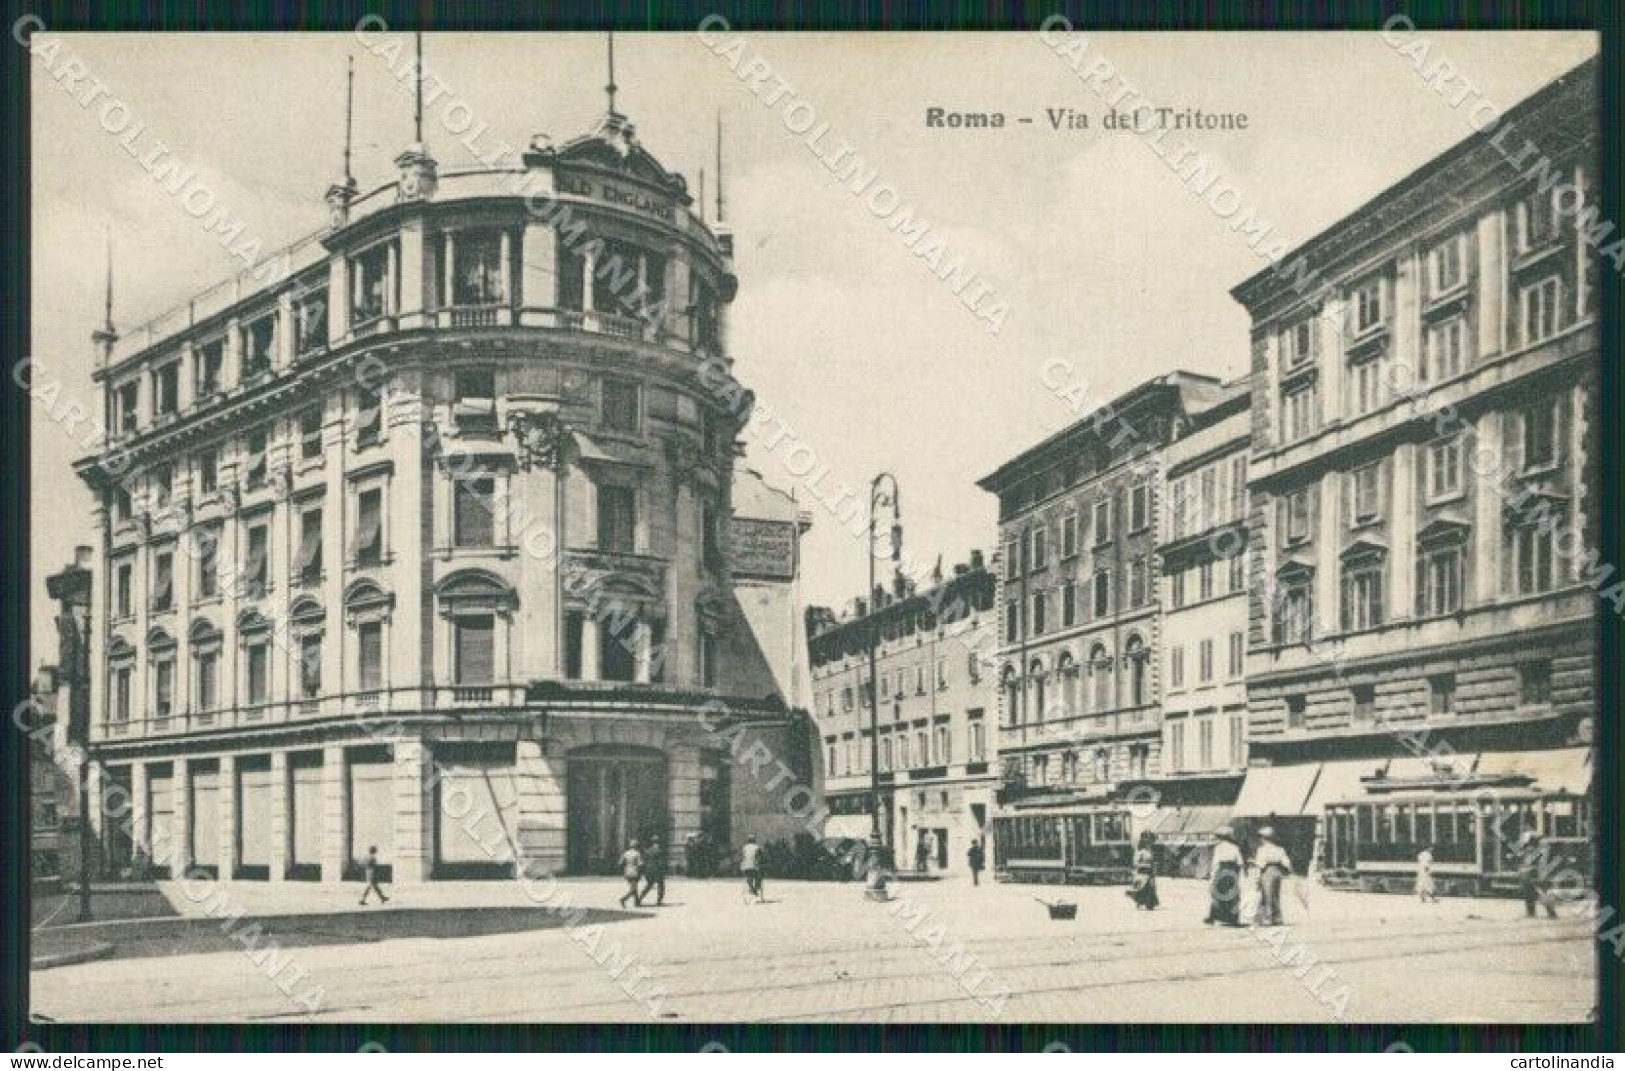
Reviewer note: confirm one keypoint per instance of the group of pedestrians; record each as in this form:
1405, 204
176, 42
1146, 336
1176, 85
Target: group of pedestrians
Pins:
1247, 891
649, 869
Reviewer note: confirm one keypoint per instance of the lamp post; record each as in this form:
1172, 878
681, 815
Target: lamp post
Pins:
875, 885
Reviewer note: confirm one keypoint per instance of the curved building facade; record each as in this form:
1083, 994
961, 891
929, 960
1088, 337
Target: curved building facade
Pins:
418, 539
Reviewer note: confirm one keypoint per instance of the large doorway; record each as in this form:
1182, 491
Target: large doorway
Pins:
616, 795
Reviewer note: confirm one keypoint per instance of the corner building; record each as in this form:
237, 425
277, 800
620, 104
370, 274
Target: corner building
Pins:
1422, 663
424, 544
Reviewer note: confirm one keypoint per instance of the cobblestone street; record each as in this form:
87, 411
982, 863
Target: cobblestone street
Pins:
817, 952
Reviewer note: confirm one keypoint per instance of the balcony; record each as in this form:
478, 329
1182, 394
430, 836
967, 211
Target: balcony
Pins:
475, 316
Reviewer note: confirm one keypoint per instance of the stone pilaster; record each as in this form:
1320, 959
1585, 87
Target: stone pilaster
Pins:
541, 809
335, 814
413, 831
227, 799
281, 827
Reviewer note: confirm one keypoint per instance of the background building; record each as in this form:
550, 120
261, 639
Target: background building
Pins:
424, 543
937, 729
1080, 636
1424, 493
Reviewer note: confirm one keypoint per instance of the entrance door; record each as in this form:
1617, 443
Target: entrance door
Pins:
616, 795
942, 848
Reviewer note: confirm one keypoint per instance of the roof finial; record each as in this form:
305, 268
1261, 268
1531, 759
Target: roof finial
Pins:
417, 116
609, 88
720, 201
107, 312
349, 117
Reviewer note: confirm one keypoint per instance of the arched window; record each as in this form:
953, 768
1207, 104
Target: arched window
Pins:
1066, 672
1035, 670
1010, 684
1138, 662
367, 609
1100, 673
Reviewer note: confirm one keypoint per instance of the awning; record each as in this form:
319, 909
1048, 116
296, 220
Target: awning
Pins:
605, 451
1562, 770
1275, 791
1340, 782
1195, 822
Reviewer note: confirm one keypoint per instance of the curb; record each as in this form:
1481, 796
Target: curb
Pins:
93, 951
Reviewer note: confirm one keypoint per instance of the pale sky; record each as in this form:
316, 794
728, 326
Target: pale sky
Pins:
1106, 259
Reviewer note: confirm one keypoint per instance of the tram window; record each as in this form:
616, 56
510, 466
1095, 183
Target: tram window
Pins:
1446, 833
1464, 825
1561, 815
1402, 824
1366, 833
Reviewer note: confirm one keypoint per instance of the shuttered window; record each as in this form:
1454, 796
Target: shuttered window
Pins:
370, 650
369, 534
310, 545
475, 659
617, 518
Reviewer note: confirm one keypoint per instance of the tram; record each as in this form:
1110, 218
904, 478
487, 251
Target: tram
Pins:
1372, 844
1078, 848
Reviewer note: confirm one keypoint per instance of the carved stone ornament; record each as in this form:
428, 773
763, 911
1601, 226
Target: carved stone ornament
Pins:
542, 437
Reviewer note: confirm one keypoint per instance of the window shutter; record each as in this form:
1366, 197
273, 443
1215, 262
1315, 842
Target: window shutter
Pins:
475, 651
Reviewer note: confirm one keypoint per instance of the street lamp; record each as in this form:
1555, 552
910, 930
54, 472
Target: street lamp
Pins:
875, 886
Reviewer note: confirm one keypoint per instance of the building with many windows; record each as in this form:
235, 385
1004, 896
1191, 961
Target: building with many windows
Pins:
1424, 491
1081, 646
938, 735
423, 543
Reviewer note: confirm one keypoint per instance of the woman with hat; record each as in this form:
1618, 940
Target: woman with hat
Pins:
1274, 867
1144, 890
1224, 879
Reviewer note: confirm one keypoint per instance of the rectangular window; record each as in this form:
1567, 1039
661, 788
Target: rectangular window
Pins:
474, 401
1297, 709
1069, 535
1439, 585
208, 680
1295, 615
1447, 265
477, 275
1299, 515
1370, 306
1103, 522
369, 419
1103, 592
1040, 604
207, 546
1204, 668
310, 322
1300, 411
1365, 494
1238, 655
620, 406
256, 561
129, 407
1069, 604
473, 648
208, 469
708, 659
1532, 564
978, 742
1444, 474
1176, 746
1238, 487
1540, 445
370, 655
1540, 309
124, 603
369, 535
1204, 580
1204, 743
474, 517
1363, 379
1365, 703
1139, 513
310, 545
1012, 621
121, 693
259, 345
163, 580
310, 434
163, 686
166, 384
1445, 350
1238, 571
617, 518
1139, 591
1535, 684
1176, 585
369, 279
211, 360
1362, 597
1038, 555
1537, 220
310, 665
1298, 344
1012, 559
256, 461
1442, 694
1176, 667
258, 671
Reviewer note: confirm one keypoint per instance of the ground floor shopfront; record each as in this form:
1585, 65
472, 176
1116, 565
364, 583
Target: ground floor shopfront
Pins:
936, 819
441, 798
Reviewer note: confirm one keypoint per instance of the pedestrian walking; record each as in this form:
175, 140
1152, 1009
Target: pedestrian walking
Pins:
1274, 867
632, 870
369, 871
750, 865
1536, 889
1224, 880
976, 858
1424, 875
1144, 889
654, 871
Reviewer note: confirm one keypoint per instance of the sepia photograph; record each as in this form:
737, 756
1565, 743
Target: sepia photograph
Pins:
727, 526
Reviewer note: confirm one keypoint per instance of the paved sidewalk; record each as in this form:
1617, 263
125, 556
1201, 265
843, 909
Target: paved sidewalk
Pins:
818, 952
